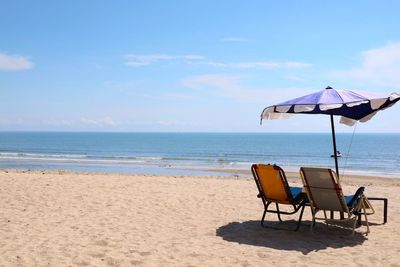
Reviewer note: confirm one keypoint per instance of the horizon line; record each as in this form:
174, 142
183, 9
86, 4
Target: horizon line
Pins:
212, 132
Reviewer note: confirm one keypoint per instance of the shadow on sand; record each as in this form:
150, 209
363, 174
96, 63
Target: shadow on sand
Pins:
323, 237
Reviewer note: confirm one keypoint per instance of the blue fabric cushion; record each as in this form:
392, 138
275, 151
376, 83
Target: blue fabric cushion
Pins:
349, 200
295, 191
353, 199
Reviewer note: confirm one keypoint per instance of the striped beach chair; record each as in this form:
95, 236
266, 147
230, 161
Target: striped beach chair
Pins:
325, 194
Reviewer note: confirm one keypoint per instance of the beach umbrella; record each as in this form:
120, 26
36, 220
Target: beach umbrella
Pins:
351, 105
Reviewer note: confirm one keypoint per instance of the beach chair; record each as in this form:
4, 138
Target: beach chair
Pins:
325, 194
273, 188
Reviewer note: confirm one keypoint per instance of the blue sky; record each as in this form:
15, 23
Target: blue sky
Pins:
190, 65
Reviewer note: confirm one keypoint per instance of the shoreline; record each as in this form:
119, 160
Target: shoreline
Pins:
165, 168
231, 174
294, 174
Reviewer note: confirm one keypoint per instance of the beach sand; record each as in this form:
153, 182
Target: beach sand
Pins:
50, 218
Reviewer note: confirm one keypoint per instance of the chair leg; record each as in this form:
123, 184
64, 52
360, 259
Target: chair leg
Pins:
354, 224
359, 220
313, 221
362, 210
302, 205
385, 207
278, 213
366, 217
265, 212
263, 217
366, 221
326, 219
301, 216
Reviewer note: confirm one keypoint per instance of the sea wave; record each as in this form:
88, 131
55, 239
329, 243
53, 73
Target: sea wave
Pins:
84, 158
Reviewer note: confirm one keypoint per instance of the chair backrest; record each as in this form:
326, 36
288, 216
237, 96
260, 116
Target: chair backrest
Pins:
272, 183
323, 189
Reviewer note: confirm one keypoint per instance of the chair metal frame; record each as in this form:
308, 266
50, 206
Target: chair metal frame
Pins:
297, 203
353, 213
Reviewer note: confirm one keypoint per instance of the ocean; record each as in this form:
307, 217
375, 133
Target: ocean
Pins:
197, 153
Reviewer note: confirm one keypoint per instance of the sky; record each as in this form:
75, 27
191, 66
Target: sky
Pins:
190, 66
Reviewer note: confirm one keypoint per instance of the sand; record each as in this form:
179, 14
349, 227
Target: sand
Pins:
50, 218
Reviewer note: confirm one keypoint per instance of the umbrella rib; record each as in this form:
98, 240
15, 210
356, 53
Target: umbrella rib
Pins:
340, 96
357, 94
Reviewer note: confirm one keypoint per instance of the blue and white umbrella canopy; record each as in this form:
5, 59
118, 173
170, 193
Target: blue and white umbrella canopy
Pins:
352, 106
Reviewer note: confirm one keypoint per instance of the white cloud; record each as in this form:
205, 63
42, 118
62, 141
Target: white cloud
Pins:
294, 64
101, 122
215, 64
59, 122
380, 66
12, 121
109, 121
143, 60
270, 64
14, 62
225, 82
193, 57
257, 64
106, 121
89, 121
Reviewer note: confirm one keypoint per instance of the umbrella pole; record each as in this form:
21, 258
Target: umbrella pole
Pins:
334, 145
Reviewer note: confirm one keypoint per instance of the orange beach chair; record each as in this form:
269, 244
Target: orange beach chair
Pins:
273, 187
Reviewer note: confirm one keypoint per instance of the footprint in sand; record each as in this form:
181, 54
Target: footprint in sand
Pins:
112, 262
144, 253
80, 262
102, 243
97, 254
136, 262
